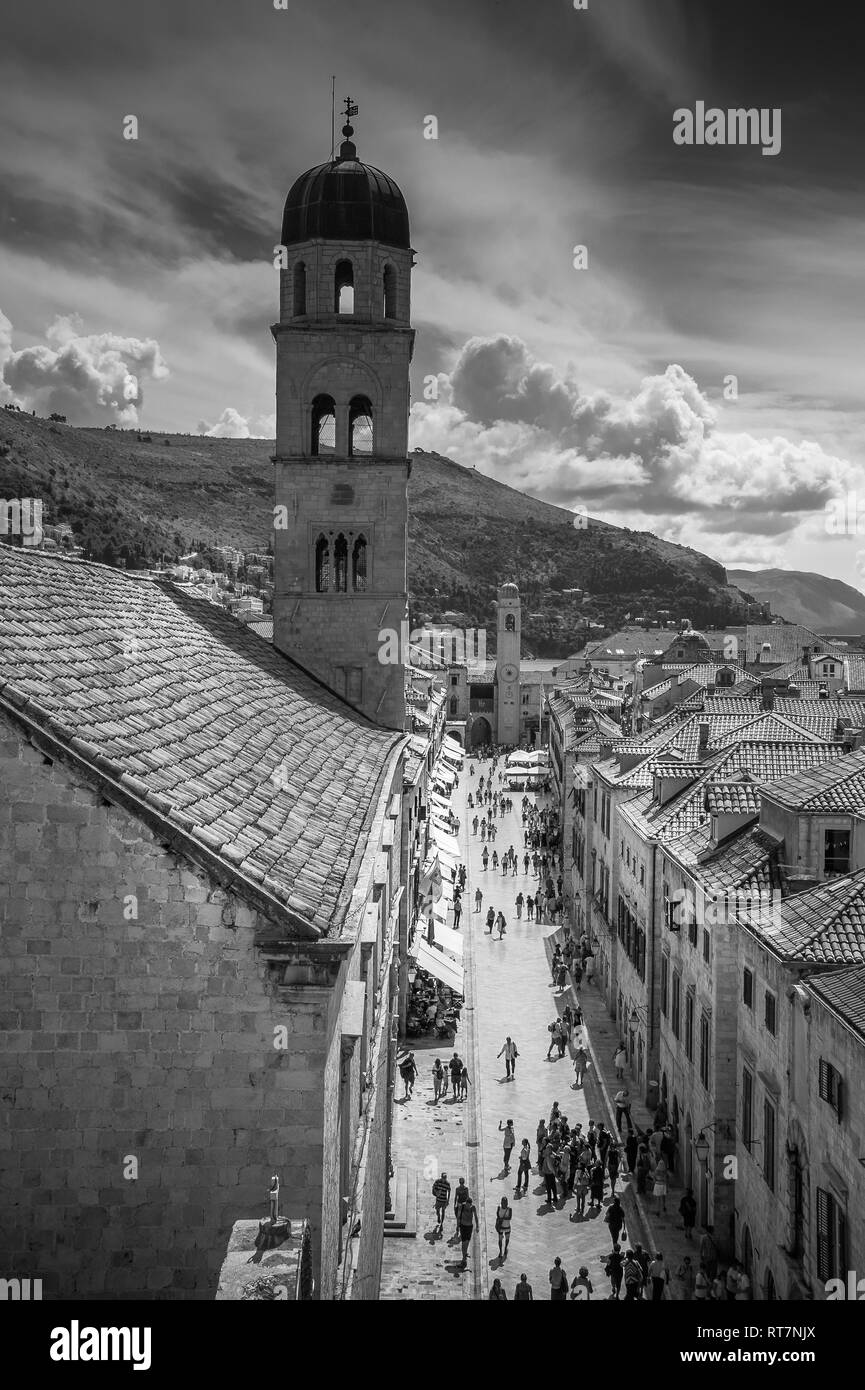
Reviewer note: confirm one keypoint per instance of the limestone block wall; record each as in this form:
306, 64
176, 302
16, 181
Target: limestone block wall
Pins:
137, 1022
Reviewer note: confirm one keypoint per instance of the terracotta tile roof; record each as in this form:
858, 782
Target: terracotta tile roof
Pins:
200, 719
854, 673
786, 641
836, 788
763, 727
844, 992
733, 798
822, 926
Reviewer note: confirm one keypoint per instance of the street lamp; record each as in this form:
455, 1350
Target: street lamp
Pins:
701, 1148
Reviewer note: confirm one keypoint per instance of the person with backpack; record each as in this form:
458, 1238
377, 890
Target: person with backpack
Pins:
504, 1214
441, 1191
581, 1062
408, 1072
558, 1281
555, 1031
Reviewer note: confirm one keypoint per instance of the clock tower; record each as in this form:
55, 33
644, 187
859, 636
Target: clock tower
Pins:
508, 665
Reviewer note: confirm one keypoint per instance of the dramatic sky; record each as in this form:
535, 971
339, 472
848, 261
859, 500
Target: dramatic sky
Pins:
136, 277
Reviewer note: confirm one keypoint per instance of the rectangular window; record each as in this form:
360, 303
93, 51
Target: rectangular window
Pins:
747, 1108
627, 855
707, 946
675, 1013
830, 1086
595, 803
831, 1237
665, 984
836, 855
692, 929
704, 1049
689, 1025
769, 1015
642, 876
748, 988
769, 1143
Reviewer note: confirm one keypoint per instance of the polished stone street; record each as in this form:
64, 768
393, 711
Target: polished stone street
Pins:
508, 991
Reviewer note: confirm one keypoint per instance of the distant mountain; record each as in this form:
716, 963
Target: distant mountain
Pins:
824, 605
133, 497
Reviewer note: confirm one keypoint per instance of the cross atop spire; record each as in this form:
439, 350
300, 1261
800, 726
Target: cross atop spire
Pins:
347, 149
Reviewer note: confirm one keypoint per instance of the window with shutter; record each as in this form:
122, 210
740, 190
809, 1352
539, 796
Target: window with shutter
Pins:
747, 1108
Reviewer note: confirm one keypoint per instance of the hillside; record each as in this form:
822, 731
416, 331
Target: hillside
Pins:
134, 501
824, 605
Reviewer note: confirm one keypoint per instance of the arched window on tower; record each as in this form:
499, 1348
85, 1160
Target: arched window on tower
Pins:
359, 426
340, 564
389, 292
323, 425
510, 623
358, 565
322, 565
299, 289
343, 288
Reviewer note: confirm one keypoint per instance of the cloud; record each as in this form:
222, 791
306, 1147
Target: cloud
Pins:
658, 454
89, 377
232, 425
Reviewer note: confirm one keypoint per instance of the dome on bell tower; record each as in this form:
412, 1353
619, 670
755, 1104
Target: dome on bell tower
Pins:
345, 200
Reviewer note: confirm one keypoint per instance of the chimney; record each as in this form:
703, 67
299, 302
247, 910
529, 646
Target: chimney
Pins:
768, 696
704, 736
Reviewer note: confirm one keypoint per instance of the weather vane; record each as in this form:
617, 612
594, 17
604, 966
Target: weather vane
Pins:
350, 109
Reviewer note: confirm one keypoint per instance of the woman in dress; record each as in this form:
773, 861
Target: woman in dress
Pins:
659, 1186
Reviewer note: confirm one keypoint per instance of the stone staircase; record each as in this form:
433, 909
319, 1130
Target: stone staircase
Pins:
402, 1219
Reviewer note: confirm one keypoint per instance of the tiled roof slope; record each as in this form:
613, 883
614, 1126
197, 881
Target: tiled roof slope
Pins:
786, 641
844, 991
733, 798
822, 926
210, 726
836, 788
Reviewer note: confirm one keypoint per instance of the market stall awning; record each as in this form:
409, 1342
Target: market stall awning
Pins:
443, 774
440, 803
441, 966
447, 844
453, 753
450, 941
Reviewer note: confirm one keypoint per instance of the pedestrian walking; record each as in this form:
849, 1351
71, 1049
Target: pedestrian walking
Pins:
504, 1213
526, 862
558, 1280
438, 1073
479, 898
441, 1191
605, 1139
685, 1276
581, 1062
530, 908
508, 1142
555, 1031
468, 1223
464, 1082
524, 1167
408, 1072
455, 1066
549, 1174
659, 1276
596, 1184
702, 1285
491, 919
623, 1108
659, 1184
613, 1167
485, 858
620, 1061
458, 912
501, 924
633, 1277
495, 861
688, 1213
518, 904
510, 1054
613, 1270
581, 1188
582, 1286
497, 1293
523, 1291
541, 1137
460, 1196
614, 1217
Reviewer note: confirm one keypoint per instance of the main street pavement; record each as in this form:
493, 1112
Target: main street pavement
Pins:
508, 991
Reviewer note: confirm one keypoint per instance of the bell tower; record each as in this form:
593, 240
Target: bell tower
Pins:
508, 665
344, 344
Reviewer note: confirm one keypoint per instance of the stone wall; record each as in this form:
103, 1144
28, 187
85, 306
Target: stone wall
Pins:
138, 1025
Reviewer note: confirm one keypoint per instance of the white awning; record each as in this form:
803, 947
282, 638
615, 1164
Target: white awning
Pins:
441, 966
450, 941
453, 753
440, 803
443, 774
448, 844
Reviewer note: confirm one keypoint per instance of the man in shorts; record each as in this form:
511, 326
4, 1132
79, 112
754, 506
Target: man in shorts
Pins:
441, 1190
